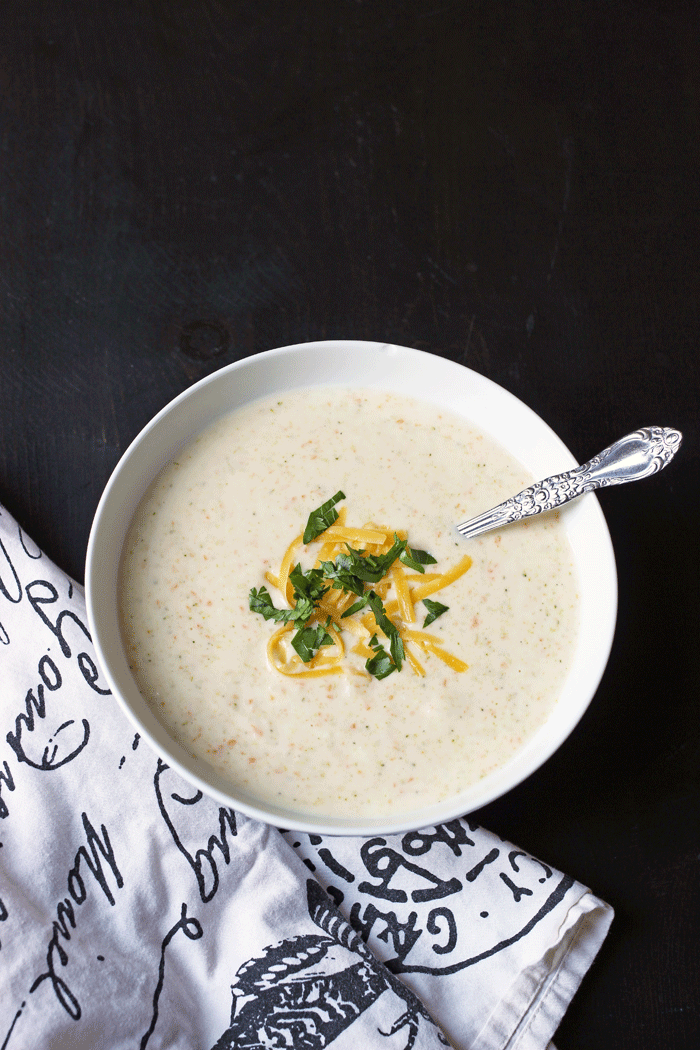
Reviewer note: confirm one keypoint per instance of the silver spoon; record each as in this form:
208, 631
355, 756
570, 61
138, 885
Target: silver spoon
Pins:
632, 457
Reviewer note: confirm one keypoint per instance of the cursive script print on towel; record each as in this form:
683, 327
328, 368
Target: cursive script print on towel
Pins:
182, 808
40, 735
88, 860
205, 860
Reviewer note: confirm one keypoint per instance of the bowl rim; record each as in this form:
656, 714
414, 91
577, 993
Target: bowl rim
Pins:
250, 377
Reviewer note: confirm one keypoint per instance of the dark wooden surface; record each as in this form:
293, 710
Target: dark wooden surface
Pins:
514, 186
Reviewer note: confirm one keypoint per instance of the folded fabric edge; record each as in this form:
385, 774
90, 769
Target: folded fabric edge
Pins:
528, 1016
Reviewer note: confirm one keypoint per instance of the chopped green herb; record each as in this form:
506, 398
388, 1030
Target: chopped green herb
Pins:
302, 611
380, 665
308, 584
435, 609
416, 559
261, 602
308, 640
373, 567
353, 571
356, 606
388, 627
322, 518
353, 568
340, 573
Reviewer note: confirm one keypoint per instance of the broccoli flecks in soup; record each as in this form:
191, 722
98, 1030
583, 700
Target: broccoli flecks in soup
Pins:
354, 744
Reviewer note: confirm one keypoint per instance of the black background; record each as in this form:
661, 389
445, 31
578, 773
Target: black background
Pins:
514, 186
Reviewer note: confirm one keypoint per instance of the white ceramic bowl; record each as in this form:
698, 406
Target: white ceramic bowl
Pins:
361, 364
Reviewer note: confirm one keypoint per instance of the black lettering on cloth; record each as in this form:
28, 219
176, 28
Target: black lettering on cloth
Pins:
58, 750
518, 891
402, 935
513, 858
52, 681
15, 1019
334, 865
64, 744
60, 988
490, 857
100, 849
22, 538
203, 862
37, 600
382, 862
134, 747
97, 846
433, 927
4, 914
192, 929
6, 781
554, 898
88, 669
25, 720
13, 595
452, 834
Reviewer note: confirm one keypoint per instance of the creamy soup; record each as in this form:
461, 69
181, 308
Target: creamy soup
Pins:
222, 515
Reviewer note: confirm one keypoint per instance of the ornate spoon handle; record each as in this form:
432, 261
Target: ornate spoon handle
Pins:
632, 457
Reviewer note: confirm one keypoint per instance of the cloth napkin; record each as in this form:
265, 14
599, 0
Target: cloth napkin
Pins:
136, 912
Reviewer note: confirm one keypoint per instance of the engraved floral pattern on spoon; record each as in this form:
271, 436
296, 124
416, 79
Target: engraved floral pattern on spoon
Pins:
635, 456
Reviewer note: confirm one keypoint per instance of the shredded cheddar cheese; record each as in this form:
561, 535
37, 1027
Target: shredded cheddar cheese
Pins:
393, 619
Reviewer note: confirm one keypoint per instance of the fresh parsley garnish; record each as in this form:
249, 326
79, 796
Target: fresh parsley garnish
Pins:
388, 627
322, 518
352, 568
342, 575
416, 559
261, 602
435, 609
353, 572
373, 567
308, 584
356, 606
307, 641
381, 664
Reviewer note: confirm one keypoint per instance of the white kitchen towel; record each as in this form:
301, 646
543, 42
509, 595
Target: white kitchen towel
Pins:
136, 912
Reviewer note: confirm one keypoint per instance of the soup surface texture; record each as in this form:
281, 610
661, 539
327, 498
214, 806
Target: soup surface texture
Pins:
224, 512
